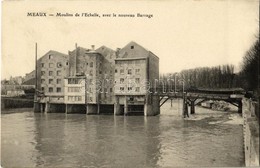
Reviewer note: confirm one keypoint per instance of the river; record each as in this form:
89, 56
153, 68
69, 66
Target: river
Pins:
208, 138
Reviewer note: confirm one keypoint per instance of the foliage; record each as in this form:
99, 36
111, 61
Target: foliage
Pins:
250, 68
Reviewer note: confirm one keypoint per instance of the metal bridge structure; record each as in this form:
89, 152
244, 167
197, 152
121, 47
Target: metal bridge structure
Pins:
195, 97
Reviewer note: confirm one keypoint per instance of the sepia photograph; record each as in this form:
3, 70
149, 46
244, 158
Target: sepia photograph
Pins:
122, 83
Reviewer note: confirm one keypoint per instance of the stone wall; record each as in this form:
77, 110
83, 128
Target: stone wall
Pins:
251, 133
7, 103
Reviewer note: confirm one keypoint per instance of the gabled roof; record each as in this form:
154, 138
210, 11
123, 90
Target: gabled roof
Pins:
54, 53
138, 51
105, 50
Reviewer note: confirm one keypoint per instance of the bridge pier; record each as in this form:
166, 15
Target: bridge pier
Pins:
192, 107
185, 108
47, 107
152, 105
117, 106
240, 107
36, 107
125, 106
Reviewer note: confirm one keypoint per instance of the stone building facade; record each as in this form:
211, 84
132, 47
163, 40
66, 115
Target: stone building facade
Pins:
51, 70
100, 80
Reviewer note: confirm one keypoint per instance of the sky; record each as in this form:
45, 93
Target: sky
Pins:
182, 33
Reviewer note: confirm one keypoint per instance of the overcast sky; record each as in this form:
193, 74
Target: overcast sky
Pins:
182, 33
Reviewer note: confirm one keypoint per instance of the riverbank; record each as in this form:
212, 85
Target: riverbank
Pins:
251, 132
15, 102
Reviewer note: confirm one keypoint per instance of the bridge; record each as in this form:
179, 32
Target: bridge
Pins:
193, 97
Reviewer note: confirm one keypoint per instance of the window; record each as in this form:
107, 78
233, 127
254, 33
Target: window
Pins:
50, 56
137, 71
70, 98
50, 81
58, 73
42, 64
42, 80
122, 71
132, 47
74, 98
122, 88
58, 89
115, 70
137, 89
137, 80
59, 65
42, 88
129, 72
42, 72
51, 65
129, 88
50, 89
79, 98
91, 73
105, 90
67, 63
73, 89
122, 80
111, 90
74, 81
100, 72
91, 64
90, 99
50, 73
58, 81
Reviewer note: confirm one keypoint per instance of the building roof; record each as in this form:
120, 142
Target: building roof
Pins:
125, 59
105, 50
139, 51
29, 82
55, 53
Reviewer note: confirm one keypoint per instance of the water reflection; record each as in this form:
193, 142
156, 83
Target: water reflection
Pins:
78, 140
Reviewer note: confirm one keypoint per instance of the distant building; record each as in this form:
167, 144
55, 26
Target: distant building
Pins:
16, 80
99, 80
29, 78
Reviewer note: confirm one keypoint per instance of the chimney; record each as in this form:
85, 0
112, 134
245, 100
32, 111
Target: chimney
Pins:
117, 52
93, 47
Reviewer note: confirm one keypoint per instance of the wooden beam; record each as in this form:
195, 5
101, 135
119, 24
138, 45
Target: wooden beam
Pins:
161, 98
200, 102
164, 101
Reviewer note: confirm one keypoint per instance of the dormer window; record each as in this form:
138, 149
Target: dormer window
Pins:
50, 56
132, 47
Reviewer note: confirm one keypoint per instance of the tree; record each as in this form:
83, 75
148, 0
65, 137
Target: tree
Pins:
250, 68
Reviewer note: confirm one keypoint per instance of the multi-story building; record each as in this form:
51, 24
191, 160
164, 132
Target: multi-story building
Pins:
90, 80
136, 72
51, 70
101, 80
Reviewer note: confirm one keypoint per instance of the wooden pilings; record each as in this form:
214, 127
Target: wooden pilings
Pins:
192, 107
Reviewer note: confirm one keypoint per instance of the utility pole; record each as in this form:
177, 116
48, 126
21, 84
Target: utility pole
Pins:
36, 82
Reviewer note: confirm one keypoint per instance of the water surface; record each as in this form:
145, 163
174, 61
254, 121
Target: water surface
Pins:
209, 138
